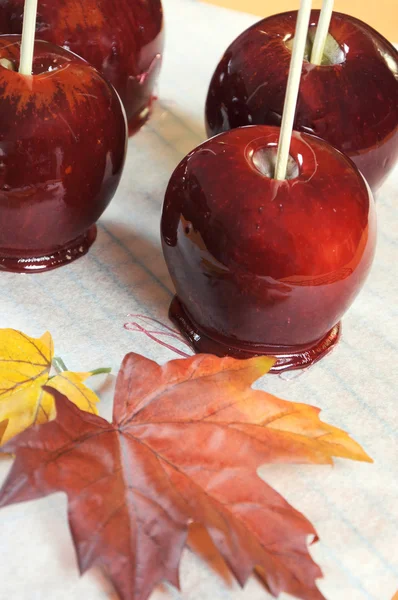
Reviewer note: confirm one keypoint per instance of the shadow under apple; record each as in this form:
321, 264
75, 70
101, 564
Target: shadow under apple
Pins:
127, 251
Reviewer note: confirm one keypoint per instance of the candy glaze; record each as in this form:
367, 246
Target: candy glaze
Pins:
353, 105
122, 39
263, 266
63, 138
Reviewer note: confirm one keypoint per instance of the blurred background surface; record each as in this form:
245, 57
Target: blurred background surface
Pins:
380, 14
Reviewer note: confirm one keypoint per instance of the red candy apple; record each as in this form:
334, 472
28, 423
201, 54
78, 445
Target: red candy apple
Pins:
351, 101
63, 139
263, 266
123, 39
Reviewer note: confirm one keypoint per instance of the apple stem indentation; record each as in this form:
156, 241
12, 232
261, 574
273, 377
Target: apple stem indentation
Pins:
264, 160
7, 64
322, 31
292, 90
28, 37
333, 53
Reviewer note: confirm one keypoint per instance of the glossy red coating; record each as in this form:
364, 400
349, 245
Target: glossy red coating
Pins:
263, 266
353, 105
63, 137
123, 39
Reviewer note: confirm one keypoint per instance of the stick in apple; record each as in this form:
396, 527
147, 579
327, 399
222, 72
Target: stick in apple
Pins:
28, 37
322, 32
292, 90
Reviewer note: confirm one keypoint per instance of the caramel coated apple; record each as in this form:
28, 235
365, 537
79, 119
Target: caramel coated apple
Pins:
122, 38
263, 266
63, 136
351, 101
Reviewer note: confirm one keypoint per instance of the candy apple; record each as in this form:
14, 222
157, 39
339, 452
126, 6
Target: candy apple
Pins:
351, 100
63, 137
122, 39
262, 266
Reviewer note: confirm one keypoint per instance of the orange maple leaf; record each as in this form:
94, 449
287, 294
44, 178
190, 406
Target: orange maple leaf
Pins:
184, 447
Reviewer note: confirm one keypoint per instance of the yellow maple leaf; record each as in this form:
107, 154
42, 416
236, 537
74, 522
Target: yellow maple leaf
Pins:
25, 365
72, 385
3, 427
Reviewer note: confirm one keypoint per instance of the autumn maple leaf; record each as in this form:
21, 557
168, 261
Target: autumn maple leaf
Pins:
184, 447
25, 365
3, 427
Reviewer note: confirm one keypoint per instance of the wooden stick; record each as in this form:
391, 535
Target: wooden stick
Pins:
292, 90
28, 37
322, 31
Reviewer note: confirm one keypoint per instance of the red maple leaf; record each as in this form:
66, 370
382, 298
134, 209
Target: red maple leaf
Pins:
184, 447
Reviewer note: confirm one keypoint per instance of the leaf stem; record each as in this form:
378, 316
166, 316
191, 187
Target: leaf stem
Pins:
105, 370
59, 365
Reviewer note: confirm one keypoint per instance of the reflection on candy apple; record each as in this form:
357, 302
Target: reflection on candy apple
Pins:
63, 137
351, 100
263, 266
122, 39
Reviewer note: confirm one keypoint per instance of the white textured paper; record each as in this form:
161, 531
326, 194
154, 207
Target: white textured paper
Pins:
85, 305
